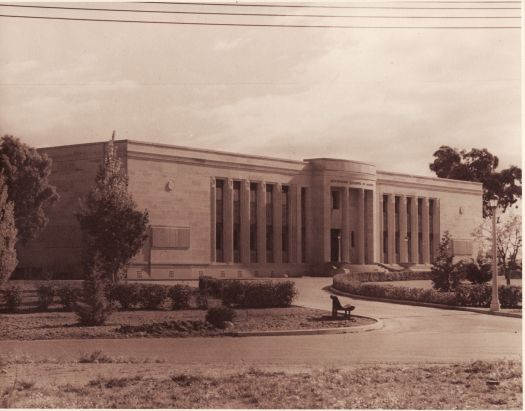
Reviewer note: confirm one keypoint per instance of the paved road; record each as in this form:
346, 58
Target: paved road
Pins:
410, 334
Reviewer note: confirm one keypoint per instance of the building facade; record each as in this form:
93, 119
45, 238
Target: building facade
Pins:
231, 215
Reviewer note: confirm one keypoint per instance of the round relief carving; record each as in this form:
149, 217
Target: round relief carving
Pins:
170, 185
460, 210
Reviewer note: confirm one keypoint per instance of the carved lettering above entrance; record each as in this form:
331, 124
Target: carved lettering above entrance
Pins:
353, 183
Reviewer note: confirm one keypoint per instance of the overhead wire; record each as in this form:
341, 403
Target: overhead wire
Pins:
310, 6
250, 24
219, 13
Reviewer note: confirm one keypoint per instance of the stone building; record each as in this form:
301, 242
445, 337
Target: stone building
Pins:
232, 215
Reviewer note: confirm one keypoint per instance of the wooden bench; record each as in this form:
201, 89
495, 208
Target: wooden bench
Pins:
337, 306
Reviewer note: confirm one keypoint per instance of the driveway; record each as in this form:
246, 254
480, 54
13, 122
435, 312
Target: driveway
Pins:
410, 335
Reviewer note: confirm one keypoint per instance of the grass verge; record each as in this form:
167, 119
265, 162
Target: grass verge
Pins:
475, 385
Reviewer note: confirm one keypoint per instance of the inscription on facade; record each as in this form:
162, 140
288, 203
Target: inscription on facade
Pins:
353, 183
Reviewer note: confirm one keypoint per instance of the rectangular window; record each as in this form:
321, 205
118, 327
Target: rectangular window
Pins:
236, 221
303, 224
269, 223
385, 228
420, 229
409, 227
253, 222
336, 200
396, 224
219, 188
285, 229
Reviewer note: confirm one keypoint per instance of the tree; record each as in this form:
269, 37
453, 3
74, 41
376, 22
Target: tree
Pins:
480, 166
26, 174
508, 241
446, 275
8, 234
113, 229
94, 306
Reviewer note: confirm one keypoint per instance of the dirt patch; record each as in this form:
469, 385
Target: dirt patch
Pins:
124, 324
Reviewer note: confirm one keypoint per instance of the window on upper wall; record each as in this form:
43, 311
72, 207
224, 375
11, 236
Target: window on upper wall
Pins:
336, 199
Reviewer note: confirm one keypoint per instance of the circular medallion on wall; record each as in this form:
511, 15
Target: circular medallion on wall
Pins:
170, 185
460, 210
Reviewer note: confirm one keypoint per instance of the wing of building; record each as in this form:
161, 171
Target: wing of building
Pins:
233, 215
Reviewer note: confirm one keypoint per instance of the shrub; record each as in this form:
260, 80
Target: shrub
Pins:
211, 286
12, 298
232, 292
219, 315
478, 273
372, 277
446, 276
180, 296
473, 295
152, 296
510, 296
94, 306
258, 294
68, 296
202, 301
126, 294
46, 294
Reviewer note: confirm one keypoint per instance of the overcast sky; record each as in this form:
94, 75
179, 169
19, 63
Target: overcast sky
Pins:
386, 96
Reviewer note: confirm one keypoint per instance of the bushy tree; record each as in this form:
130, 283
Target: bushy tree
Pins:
26, 174
446, 275
480, 166
114, 230
478, 272
508, 241
8, 234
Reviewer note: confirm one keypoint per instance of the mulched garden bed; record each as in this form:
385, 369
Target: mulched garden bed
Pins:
126, 324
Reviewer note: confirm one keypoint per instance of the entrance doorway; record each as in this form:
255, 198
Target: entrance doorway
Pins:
335, 245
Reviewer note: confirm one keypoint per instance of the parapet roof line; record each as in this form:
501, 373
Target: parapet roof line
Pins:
475, 183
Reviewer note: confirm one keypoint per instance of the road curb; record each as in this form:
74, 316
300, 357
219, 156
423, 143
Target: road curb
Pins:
422, 304
315, 331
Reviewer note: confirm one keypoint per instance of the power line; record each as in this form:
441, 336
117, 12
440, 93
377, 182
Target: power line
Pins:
255, 14
333, 7
253, 24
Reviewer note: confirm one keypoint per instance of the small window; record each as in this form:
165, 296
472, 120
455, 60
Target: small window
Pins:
172, 274
335, 200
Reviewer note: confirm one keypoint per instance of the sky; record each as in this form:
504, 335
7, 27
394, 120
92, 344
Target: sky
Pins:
389, 97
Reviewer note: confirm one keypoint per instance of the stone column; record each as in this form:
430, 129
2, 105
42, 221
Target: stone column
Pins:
277, 223
391, 221
261, 222
245, 222
414, 224
403, 243
213, 217
425, 228
298, 224
292, 223
380, 227
360, 226
228, 220
436, 229
370, 226
345, 238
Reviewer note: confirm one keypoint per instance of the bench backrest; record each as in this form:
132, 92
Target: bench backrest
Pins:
336, 302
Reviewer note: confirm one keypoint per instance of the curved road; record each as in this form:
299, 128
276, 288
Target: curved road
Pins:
410, 334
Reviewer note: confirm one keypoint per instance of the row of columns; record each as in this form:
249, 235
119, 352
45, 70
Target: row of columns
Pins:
363, 214
293, 222
414, 232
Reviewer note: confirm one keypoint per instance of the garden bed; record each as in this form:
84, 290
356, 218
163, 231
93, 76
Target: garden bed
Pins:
58, 325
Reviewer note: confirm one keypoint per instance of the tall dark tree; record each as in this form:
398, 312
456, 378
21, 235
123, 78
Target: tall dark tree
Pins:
114, 230
8, 233
26, 175
480, 166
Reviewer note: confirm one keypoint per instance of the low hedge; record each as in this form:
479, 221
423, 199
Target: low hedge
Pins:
249, 294
466, 295
375, 277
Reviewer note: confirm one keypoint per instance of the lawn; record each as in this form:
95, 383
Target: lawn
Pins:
474, 385
53, 325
